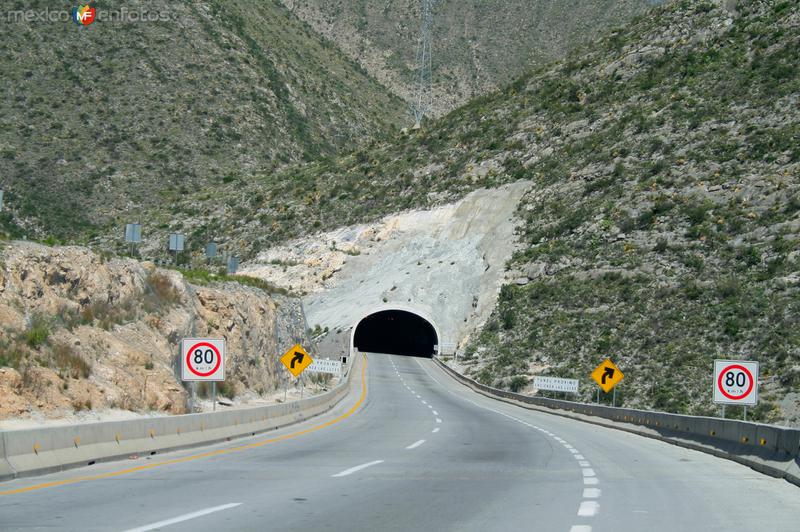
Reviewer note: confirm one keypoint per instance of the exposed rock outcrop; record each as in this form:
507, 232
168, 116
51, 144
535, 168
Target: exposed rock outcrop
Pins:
81, 332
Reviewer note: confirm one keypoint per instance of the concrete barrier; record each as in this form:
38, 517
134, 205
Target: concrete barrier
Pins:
769, 449
45, 450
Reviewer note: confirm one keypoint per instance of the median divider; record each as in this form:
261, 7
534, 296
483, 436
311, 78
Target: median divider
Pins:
37, 451
769, 449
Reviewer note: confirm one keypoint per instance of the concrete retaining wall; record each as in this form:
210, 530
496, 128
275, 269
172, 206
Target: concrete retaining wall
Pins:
770, 449
45, 450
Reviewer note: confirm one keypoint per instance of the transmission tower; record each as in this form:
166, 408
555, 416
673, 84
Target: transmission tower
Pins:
423, 99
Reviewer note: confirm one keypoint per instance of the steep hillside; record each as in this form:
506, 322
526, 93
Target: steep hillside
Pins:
662, 227
80, 332
478, 45
130, 114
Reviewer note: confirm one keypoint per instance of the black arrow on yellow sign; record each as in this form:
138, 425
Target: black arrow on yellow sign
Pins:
298, 358
608, 374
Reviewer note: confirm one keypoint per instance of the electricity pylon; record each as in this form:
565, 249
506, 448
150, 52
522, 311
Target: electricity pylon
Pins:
423, 99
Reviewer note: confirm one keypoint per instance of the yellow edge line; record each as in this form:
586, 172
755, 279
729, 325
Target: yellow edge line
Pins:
218, 452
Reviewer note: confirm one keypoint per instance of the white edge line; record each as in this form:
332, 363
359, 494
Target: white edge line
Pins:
438, 420
415, 444
357, 468
435, 430
184, 517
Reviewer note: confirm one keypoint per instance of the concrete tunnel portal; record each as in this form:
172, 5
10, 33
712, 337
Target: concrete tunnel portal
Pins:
396, 332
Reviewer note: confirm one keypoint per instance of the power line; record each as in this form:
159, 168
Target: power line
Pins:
423, 99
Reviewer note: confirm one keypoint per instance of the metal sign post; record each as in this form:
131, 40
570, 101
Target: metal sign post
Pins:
1, 199
214, 394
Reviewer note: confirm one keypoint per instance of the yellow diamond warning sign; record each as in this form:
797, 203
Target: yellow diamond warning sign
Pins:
607, 375
296, 360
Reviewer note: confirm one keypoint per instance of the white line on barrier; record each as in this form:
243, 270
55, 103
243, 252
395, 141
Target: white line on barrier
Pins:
184, 517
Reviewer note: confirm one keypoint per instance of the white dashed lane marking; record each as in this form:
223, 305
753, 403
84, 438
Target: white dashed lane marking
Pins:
587, 508
357, 468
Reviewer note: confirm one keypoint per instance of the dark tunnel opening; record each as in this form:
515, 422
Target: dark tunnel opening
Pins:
396, 332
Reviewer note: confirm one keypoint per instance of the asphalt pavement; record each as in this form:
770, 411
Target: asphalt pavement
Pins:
421, 452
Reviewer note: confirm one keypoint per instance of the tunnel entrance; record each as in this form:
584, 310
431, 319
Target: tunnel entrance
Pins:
396, 332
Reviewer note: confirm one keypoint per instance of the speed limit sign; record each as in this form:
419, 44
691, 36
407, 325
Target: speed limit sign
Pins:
735, 382
203, 359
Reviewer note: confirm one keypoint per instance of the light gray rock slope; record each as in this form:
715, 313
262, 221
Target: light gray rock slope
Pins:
446, 263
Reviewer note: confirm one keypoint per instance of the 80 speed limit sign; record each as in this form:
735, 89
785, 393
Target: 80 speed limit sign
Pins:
735, 382
203, 359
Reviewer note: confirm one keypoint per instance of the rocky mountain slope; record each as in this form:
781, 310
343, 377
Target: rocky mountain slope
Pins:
662, 225
81, 332
103, 120
478, 45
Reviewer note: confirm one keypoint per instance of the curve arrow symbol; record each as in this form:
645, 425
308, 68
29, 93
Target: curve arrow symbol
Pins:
298, 358
609, 373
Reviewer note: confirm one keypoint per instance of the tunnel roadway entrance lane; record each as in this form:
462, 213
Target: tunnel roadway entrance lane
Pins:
476, 472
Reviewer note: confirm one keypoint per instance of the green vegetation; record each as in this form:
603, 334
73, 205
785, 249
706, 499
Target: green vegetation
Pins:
37, 333
165, 108
480, 44
205, 278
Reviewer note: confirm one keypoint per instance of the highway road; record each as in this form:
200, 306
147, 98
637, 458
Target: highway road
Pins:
417, 451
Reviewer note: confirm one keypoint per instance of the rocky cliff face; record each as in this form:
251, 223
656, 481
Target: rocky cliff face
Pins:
79, 332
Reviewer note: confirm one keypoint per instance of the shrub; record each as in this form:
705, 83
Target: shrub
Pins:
162, 288
728, 288
692, 290
696, 212
69, 363
662, 244
517, 383
37, 333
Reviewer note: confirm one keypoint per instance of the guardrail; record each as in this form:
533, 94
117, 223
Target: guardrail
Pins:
29, 452
769, 449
